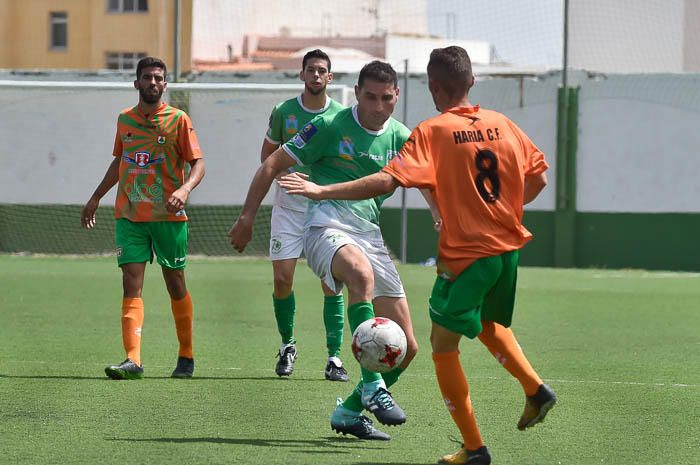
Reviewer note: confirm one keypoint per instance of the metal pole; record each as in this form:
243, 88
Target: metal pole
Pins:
176, 60
565, 63
404, 209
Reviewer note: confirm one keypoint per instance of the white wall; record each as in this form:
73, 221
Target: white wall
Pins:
638, 139
627, 36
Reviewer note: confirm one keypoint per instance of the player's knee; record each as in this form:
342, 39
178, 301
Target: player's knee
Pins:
361, 280
283, 283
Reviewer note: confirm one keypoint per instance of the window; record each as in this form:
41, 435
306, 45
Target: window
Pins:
127, 6
123, 60
59, 30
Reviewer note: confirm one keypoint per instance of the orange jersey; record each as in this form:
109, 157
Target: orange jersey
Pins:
474, 162
153, 151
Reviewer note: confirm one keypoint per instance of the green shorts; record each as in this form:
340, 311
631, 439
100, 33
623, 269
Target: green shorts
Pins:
135, 242
484, 291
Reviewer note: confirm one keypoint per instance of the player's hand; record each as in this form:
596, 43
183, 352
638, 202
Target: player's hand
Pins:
87, 217
240, 234
298, 184
177, 200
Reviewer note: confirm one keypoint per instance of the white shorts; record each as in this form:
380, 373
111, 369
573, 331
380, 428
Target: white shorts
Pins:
286, 233
321, 245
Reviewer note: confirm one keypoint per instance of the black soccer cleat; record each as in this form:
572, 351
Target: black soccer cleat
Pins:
382, 405
537, 406
287, 356
184, 368
125, 370
335, 372
360, 427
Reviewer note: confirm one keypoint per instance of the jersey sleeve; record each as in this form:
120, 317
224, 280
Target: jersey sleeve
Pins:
187, 139
535, 162
414, 165
309, 144
274, 127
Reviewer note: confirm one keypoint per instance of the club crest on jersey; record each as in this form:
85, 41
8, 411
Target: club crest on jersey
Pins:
291, 124
142, 158
161, 140
346, 149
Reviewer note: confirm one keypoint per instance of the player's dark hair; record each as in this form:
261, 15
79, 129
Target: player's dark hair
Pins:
451, 68
378, 71
317, 53
149, 62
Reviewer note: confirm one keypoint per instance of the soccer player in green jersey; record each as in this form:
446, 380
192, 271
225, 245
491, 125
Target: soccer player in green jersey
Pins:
289, 214
342, 239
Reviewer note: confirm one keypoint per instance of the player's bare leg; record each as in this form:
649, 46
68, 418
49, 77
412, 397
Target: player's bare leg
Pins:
351, 266
285, 310
181, 306
455, 392
132, 321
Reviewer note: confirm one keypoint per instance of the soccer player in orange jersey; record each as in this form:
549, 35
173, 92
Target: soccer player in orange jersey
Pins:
152, 145
481, 169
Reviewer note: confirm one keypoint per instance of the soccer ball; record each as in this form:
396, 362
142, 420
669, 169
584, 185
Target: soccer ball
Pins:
379, 344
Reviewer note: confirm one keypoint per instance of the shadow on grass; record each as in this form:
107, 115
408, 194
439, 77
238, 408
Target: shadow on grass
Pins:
330, 442
53, 377
180, 380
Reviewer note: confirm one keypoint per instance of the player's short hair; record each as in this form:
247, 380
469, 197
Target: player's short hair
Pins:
317, 53
451, 68
149, 62
378, 71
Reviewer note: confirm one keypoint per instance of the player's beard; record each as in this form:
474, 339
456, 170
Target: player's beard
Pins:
150, 98
315, 90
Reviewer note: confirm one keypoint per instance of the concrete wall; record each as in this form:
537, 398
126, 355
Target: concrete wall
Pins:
637, 138
627, 36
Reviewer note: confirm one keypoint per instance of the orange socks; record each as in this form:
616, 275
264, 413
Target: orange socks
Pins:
455, 392
501, 342
182, 312
132, 321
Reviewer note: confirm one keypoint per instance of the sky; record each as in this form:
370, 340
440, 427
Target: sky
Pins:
523, 32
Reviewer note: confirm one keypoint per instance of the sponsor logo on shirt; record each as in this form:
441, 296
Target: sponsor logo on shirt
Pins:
346, 149
291, 124
142, 159
128, 137
161, 140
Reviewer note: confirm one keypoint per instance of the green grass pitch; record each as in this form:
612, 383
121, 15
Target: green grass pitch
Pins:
621, 349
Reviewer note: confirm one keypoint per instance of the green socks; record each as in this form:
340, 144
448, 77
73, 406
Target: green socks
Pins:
284, 314
333, 318
354, 401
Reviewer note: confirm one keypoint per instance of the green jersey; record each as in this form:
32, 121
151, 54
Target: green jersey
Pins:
285, 121
339, 149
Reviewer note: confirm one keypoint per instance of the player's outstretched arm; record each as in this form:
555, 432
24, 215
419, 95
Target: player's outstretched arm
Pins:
533, 187
110, 178
242, 230
368, 187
